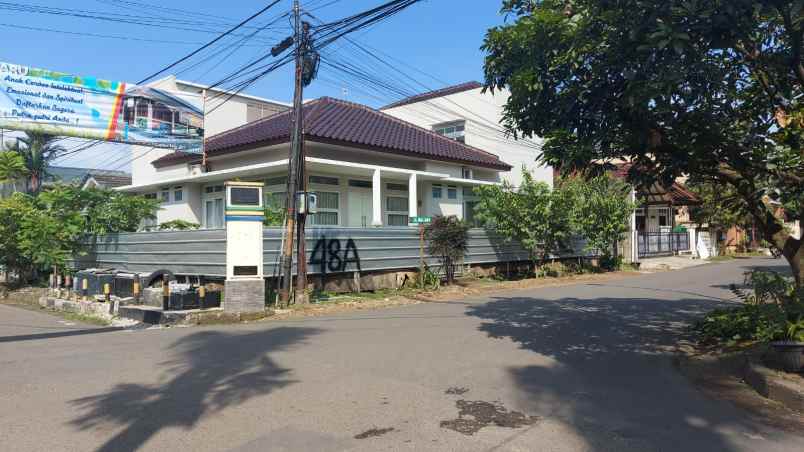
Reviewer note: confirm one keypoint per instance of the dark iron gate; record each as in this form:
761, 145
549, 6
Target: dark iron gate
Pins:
662, 243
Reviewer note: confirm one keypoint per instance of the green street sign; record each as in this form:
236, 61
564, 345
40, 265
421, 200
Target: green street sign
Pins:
421, 220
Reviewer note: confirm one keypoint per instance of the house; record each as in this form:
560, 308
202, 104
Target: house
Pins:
657, 227
369, 168
467, 114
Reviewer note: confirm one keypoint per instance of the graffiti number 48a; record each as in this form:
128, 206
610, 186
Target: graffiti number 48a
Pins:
334, 257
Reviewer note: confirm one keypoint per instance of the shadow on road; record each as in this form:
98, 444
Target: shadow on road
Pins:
610, 374
68, 333
210, 372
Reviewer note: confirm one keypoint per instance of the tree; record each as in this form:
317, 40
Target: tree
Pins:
178, 225
38, 150
49, 229
534, 215
600, 213
12, 168
447, 238
706, 88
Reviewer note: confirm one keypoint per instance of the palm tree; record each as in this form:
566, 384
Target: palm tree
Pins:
38, 150
12, 167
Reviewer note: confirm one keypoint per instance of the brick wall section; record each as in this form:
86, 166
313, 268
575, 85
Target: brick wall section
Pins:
244, 295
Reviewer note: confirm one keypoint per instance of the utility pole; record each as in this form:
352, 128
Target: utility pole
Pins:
298, 141
294, 163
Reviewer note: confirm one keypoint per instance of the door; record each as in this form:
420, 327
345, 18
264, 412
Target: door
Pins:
359, 209
213, 213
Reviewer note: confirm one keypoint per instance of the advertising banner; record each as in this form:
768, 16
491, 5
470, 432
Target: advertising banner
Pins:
67, 105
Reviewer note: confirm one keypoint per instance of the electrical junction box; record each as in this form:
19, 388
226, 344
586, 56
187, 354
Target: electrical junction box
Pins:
308, 203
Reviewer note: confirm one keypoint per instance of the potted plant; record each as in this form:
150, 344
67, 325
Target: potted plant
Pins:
790, 349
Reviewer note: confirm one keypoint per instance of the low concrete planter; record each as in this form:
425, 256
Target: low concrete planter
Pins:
790, 355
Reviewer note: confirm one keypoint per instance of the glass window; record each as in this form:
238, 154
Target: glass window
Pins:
178, 194
150, 195
468, 191
466, 173
328, 200
396, 187
283, 180
360, 183
213, 213
328, 209
396, 204
325, 218
455, 131
324, 180
213, 189
397, 220
437, 192
166, 196
452, 193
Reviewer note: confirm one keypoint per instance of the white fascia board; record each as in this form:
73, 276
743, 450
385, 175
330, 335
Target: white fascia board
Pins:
386, 169
257, 168
207, 177
470, 181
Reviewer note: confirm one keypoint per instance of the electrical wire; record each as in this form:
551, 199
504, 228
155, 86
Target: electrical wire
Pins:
195, 52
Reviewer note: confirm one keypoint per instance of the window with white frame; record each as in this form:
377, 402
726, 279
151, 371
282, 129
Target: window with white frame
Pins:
437, 192
454, 130
452, 193
324, 180
279, 180
178, 194
396, 209
328, 214
214, 207
165, 195
467, 173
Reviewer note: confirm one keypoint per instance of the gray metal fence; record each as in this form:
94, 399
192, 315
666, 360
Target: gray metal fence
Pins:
329, 250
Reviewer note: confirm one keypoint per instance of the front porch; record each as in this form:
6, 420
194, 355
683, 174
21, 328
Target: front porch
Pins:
350, 194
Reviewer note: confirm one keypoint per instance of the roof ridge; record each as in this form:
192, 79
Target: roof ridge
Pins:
432, 94
407, 124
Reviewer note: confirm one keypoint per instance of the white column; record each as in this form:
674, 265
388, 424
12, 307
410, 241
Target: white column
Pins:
413, 196
634, 233
376, 205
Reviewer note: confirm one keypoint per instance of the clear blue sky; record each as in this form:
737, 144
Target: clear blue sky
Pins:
438, 40
440, 37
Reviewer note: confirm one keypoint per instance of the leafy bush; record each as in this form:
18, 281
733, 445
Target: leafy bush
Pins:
553, 270
447, 238
178, 225
46, 230
773, 310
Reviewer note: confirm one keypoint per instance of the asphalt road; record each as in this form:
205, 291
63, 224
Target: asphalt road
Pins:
583, 367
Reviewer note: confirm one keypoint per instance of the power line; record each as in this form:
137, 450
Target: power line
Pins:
226, 33
95, 35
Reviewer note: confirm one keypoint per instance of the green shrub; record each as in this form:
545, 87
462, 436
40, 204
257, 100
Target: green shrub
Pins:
772, 310
178, 225
447, 238
553, 270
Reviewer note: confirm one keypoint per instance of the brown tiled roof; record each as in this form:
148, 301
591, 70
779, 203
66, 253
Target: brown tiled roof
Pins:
111, 181
434, 94
678, 194
334, 121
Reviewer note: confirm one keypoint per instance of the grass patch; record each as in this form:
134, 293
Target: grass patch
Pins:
81, 318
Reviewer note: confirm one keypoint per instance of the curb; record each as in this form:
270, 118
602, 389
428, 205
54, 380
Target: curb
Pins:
769, 384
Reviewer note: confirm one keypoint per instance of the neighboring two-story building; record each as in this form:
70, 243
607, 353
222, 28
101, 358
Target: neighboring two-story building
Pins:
468, 114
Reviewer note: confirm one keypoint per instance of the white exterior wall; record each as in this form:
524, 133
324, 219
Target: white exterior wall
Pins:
482, 113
